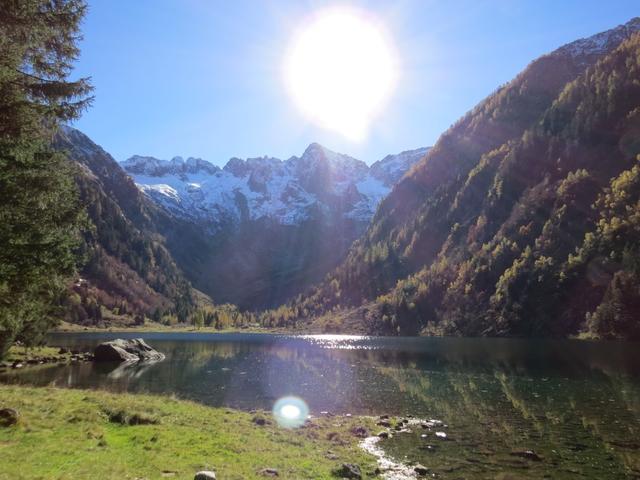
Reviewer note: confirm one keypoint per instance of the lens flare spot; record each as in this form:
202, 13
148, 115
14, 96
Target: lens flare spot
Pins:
290, 412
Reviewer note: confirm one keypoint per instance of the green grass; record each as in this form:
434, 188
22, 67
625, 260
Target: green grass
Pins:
78, 434
66, 327
23, 354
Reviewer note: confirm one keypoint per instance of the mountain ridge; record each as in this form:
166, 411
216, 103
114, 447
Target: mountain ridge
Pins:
128, 269
283, 190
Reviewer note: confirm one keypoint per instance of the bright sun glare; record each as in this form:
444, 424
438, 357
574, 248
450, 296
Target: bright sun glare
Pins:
290, 411
341, 71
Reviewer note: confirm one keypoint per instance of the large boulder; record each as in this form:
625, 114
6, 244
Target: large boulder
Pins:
120, 350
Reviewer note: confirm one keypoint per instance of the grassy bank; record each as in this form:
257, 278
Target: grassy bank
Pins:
22, 354
66, 327
22, 357
71, 434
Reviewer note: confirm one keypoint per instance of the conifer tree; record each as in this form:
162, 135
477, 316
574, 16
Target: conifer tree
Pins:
39, 211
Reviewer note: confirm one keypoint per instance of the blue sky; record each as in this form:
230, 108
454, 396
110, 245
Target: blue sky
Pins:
204, 78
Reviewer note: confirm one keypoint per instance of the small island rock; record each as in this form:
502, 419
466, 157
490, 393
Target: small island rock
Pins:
120, 350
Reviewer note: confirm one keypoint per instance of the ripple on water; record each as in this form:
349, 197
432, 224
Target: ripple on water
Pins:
340, 342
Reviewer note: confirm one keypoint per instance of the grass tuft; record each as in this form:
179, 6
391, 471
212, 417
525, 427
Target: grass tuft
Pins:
131, 418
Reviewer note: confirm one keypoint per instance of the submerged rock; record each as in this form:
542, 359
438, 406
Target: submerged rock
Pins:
528, 454
421, 470
428, 448
120, 350
349, 470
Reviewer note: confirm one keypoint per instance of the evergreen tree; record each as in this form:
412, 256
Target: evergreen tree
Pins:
39, 212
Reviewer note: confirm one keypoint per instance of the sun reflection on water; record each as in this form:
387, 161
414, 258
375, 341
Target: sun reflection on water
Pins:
340, 342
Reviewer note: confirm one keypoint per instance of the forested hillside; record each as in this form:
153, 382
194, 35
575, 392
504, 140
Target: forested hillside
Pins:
125, 267
39, 213
523, 218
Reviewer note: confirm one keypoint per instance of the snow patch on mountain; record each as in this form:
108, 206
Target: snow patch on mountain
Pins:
285, 191
585, 49
392, 167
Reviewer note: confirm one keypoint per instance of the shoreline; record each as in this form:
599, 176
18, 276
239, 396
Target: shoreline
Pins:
125, 435
158, 328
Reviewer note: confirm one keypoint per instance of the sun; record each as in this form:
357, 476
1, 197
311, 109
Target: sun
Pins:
341, 71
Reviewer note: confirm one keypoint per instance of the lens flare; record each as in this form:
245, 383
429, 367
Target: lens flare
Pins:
290, 412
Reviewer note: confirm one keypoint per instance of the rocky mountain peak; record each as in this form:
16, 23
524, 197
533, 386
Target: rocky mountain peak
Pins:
392, 167
287, 192
151, 166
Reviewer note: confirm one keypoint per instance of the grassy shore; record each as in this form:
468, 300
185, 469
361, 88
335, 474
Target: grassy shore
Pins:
26, 356
66, 327
72, 434
22, 354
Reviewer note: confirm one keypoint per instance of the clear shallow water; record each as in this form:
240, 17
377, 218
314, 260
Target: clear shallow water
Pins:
576, 404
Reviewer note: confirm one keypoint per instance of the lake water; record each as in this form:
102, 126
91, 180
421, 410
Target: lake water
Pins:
575, 404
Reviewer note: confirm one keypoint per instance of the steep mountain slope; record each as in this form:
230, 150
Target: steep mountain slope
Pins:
480, 237
127, 270
274, 227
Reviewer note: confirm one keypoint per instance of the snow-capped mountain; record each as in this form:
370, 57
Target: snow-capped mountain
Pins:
287, 192
585, 50
392, 167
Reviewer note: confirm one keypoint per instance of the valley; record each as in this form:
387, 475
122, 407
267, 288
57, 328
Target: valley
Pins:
440, 240
463, 304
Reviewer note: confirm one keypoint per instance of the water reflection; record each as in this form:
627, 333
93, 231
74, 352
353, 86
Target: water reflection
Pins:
576, 404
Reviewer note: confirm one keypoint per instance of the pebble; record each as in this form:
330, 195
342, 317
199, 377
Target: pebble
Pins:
205, 475
269, 472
